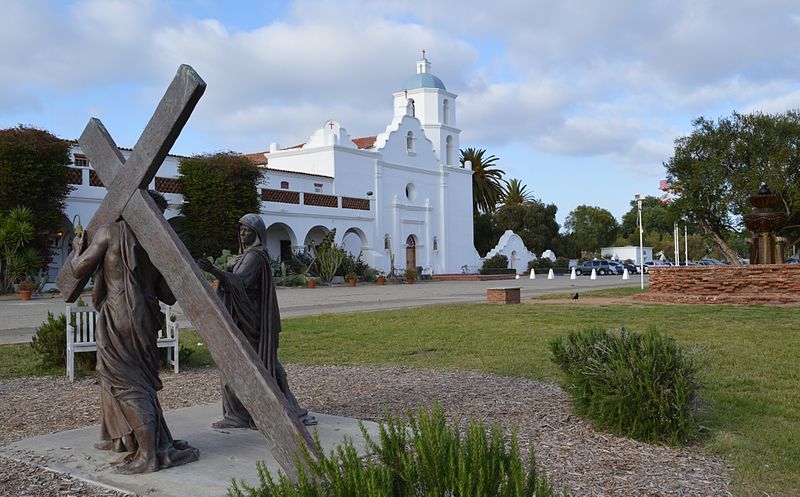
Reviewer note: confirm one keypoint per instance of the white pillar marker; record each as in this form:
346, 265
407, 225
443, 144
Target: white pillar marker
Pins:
533, 274
516, 276
594, 275
625, 274
572, 275
551, 275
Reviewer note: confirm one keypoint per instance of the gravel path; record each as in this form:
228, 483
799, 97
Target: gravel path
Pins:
575, 456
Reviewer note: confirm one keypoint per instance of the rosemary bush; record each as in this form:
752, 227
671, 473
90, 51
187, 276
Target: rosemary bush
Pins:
420, 456
643, 386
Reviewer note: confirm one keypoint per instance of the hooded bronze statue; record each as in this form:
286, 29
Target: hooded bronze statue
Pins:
248, 292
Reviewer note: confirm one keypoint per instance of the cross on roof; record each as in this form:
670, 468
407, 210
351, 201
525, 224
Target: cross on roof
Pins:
423, 53
127, 198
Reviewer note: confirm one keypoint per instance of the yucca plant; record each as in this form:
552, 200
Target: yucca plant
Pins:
416, 457
643, 386
16, 259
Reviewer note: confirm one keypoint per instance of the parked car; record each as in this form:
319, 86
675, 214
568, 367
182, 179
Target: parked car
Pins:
632, 268
601, 267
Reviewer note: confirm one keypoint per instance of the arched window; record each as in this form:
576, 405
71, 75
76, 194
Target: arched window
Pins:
410, 108
387, 242
285, 185
435, 244
446, 112
449, 150
410, 142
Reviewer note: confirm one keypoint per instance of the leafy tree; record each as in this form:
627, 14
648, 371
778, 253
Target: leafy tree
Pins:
487, 187
17, 260
592, 227
656, 216
534, 222
32, 167
485, 233
515, 193
720, 164
218, 190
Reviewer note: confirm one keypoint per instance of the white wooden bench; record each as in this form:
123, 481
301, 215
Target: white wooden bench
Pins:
80, 335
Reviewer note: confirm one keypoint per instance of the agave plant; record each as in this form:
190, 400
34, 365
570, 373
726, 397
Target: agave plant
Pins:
17, 261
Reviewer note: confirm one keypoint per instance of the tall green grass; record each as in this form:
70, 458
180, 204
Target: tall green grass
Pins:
643, 386
420, 456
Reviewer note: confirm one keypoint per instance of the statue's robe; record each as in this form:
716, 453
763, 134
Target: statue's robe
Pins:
127, 356
249, 296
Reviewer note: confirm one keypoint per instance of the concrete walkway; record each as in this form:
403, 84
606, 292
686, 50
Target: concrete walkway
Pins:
224, 454
19, 319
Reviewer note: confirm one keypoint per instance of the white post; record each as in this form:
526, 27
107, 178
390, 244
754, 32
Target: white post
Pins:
638, 197
551, 275
677, 244
686, 244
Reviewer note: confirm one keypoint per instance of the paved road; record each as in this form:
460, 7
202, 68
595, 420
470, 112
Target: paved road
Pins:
18, 319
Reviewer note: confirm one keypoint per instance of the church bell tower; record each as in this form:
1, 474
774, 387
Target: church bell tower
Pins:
425, 97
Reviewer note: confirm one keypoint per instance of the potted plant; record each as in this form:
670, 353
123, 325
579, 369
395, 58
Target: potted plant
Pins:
351, 278
411, 275
381, 279
311, 282
26, 289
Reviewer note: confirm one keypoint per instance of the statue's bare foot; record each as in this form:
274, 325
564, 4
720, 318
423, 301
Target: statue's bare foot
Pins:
180, 444
182, 456
139, 465
105, 445
228, 423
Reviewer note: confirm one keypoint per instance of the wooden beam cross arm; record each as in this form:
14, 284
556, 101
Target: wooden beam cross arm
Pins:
126, 198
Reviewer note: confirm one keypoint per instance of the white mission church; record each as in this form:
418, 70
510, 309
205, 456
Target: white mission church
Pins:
401, 192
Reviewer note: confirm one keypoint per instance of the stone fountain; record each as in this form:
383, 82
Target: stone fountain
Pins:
766, 247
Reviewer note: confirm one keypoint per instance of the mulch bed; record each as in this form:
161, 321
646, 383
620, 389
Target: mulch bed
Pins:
574, 455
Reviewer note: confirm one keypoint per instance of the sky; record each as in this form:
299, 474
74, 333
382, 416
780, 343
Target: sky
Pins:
580, 100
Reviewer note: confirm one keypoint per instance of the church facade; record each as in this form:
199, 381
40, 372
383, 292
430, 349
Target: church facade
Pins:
398, 198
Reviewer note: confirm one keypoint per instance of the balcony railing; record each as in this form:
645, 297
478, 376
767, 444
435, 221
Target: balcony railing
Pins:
314, 199
163, 185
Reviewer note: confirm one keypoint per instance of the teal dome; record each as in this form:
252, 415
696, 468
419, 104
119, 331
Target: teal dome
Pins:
423, 80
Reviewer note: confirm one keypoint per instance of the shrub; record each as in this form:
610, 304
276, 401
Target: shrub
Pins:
496, 265
420, 456
639, 385
50, 344
217, 190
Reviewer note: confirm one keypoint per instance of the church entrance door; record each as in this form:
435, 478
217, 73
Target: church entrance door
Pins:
411, 252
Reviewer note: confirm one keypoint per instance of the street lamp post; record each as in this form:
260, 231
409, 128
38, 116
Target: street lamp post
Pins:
639, 198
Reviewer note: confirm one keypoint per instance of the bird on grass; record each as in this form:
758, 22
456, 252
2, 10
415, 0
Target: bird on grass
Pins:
575, 297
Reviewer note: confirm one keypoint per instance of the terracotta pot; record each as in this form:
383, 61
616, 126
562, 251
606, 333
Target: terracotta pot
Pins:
381, 281
25, 294
410, 280
351, 282
311, 283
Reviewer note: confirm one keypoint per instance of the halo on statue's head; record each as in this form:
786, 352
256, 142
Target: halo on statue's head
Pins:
255, 223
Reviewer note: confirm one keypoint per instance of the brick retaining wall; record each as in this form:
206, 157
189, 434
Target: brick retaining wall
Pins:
756, 284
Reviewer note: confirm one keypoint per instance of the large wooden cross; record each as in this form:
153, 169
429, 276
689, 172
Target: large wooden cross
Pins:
127, 198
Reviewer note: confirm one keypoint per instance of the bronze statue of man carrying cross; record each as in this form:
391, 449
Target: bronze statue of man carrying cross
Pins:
128, 204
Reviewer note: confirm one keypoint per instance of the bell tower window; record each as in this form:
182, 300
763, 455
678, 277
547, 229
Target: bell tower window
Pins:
410, 108
446, 113
449, 150
410, 142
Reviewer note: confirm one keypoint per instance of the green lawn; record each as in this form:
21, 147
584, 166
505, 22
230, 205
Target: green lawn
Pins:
751, 372
749, 356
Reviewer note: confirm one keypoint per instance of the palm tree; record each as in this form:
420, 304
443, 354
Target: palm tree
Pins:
487, 188
515, 193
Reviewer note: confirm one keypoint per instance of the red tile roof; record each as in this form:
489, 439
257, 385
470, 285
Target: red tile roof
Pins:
259, 158
365, 141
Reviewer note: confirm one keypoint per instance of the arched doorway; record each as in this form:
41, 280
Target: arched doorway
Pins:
411, 252
280, 240
353, 241
315, 236
515, 261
